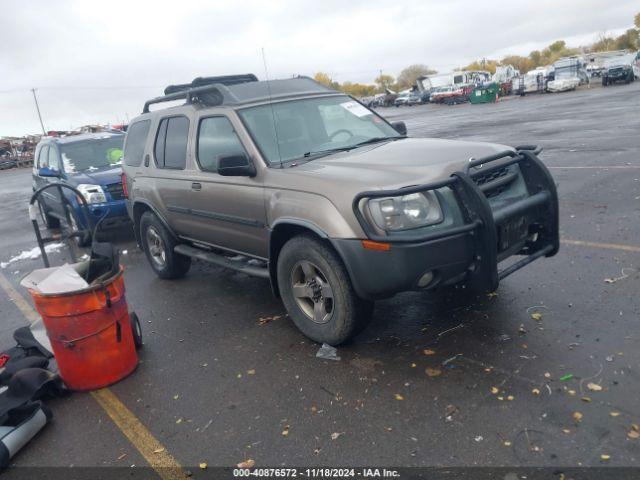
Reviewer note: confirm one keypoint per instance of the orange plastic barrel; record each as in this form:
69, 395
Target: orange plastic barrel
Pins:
90, 333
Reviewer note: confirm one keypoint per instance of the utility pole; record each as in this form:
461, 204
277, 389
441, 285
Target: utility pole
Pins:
33, 90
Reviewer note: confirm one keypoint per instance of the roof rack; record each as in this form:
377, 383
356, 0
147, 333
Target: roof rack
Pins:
211, 91
239, 90
225, 80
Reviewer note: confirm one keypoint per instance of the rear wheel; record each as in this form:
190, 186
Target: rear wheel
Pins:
317, 292
158, 245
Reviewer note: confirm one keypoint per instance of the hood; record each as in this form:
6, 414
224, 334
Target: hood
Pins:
102, 176
388, 165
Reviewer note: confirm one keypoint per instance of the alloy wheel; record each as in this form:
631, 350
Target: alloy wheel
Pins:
312, 291
157, 250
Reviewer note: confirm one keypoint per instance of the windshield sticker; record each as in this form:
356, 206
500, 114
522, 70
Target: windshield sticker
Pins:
355, 108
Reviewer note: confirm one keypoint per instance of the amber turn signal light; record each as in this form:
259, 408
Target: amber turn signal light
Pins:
378, 246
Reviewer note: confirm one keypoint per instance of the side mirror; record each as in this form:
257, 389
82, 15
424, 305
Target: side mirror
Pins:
236, 165
48, 172
400, 127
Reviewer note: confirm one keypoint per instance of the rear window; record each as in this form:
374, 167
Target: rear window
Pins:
171, 143
134, 144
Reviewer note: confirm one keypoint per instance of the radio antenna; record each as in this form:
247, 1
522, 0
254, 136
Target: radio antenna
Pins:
273, 113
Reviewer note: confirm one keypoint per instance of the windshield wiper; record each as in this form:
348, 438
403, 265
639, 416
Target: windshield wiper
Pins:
375, 140
329, 151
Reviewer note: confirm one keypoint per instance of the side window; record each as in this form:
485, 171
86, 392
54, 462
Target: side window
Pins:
158, 149
43, 160
135, 142
216, 138
53, 158
171, 143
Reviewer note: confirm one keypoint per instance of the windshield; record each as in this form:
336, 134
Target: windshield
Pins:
92, 154
295, 129
620, 61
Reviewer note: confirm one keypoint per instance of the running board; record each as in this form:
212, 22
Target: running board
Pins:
221, 260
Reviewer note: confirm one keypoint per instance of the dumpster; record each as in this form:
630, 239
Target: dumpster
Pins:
485, 94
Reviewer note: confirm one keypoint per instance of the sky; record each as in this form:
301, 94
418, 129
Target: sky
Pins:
97, 62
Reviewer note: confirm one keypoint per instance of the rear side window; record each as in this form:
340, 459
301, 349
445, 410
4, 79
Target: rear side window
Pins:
43, 160
171, 143
134, 143
54, 163
216, 138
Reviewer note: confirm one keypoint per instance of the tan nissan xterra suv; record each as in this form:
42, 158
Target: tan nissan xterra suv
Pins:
302, 185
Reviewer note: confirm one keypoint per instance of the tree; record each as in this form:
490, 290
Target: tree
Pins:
358, 89
522, 64
326, 80
409, 75
536, 58
629, 40
637, 21
555, 51
322, 78
384, 81
604, 43
484, 64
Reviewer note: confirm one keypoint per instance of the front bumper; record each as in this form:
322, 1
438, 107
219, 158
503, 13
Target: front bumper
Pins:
527, 227
114, 213
618, 75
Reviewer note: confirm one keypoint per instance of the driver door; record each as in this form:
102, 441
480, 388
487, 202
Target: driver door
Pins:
228, 212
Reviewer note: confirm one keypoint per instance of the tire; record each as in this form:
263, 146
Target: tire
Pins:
158, 244
315, 269
136, 330
604, 81
83, 241
47, 220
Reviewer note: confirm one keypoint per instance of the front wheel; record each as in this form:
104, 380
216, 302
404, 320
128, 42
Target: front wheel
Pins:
317, 292
83, 240
48, 221
158, 245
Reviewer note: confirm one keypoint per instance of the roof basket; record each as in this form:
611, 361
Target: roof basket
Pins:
205, 90
226, 80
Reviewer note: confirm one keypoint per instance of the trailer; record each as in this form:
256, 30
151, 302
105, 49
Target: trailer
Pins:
570, 72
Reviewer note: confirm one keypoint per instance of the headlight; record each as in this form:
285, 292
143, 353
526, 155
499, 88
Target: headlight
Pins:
92, 193
407, 212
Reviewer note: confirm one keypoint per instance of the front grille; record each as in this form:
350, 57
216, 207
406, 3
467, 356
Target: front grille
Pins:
115, 190
484, 181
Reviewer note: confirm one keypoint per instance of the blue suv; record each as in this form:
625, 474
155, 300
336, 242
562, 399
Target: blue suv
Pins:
91, 163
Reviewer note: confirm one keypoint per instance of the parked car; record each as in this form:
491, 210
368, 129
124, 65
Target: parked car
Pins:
91, 163
619, 69
409, 99
451, 94
326, 199
6, 163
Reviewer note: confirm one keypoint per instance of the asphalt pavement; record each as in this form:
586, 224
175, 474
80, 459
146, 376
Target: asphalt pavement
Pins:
436, 380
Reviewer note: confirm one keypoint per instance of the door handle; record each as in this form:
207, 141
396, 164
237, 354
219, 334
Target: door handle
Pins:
196, 186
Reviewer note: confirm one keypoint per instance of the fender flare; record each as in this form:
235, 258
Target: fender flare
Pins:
273, 258
136, 227
299, 222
